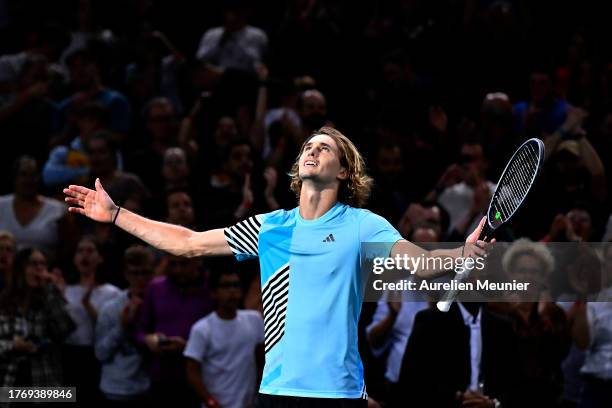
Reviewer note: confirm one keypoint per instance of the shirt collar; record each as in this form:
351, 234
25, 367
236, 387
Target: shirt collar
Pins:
468, 318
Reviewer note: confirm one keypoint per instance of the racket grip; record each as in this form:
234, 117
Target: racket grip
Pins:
448, 299
443, 305
450, 295
486, 232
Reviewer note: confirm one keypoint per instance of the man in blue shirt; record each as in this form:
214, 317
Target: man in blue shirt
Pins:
312, 283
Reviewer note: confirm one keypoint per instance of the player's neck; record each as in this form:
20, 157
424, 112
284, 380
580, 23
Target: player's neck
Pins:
315, 202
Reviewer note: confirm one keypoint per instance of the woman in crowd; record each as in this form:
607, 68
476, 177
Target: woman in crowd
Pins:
541, 326
85, 300
33, 323
35, 220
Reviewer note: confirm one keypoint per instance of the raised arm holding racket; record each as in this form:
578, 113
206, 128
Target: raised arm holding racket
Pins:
513, 187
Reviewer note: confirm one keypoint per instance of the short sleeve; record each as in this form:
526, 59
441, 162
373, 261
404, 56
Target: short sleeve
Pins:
196, 344
379, 232
208, 44
243, 237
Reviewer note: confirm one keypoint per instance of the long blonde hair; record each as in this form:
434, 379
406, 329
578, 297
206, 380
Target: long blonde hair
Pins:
355, 189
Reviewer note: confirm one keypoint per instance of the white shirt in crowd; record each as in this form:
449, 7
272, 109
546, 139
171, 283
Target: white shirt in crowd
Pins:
457, 200
598, 358
225, 350
240, 50
83, 335
11, 65
41, 232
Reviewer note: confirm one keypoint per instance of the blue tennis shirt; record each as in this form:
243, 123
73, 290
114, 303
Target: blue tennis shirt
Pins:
312, 290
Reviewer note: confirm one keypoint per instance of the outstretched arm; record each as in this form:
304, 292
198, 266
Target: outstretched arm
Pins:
473, 248
97, 205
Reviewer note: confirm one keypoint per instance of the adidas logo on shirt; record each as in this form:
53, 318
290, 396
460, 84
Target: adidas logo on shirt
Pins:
330, 238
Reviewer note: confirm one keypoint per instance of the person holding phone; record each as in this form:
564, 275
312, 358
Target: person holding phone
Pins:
171, 305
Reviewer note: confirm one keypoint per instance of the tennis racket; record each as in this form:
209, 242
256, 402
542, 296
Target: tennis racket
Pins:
513, 187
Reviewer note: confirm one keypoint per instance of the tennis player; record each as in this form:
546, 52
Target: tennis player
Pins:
312, 286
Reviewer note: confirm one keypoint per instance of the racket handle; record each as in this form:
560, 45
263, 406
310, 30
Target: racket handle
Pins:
450, 295
448, 299
443, 305
486, 232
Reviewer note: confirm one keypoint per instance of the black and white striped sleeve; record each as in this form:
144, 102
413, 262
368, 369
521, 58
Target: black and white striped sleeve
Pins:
243, 237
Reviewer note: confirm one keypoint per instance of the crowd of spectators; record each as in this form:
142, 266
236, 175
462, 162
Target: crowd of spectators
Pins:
193, 112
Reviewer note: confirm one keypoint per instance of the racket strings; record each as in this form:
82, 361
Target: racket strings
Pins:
516, 182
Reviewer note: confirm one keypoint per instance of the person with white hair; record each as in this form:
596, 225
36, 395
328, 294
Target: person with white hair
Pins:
528, 261
540, 325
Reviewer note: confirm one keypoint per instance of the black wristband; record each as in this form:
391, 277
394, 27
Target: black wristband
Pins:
116, 215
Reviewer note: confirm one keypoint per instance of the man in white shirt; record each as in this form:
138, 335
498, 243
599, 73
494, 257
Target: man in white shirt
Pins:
234, 45
463, 189
225, 349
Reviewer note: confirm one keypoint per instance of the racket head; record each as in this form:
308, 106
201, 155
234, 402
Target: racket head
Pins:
515, 182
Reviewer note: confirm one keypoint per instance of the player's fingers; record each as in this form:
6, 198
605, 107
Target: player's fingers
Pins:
74, 201
478, 251
80, 189
71, 193
77, 210
487, 246
481, 224
75, 193
98, 184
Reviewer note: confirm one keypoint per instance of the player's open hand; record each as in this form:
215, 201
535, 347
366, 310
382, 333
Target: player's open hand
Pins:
95, 204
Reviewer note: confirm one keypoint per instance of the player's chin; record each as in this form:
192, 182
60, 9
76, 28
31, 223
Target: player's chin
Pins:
307, 173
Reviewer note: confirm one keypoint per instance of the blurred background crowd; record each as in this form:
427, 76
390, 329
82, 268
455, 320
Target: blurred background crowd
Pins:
193, 112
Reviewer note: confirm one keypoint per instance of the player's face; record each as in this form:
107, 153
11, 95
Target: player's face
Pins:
320, 161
